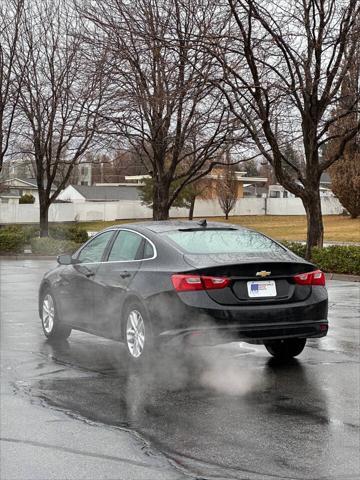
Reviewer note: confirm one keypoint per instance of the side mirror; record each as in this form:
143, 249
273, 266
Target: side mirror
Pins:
65, 259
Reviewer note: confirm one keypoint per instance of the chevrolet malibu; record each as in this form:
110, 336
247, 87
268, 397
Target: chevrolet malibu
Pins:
179, 281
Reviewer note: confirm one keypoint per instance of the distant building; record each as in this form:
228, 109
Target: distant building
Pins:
84, 173
22, 186
278, 191
247, 186
99, 193
10, 196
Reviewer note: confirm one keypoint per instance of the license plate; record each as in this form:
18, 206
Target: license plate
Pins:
265, 288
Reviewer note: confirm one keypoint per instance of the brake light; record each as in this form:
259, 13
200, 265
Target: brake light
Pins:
187, 283
310, 278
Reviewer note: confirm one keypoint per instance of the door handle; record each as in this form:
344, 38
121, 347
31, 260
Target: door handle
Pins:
125, 275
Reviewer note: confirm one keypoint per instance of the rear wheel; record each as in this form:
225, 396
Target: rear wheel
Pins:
52, 327
286, 348
137, 333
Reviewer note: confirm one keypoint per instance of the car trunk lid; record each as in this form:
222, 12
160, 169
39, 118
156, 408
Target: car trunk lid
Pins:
254, 279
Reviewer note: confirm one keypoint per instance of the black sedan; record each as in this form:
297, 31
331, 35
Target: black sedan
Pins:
185, 282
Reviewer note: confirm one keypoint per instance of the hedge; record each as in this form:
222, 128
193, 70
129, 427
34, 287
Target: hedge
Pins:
27, 230
11, 241
68, 238
338, 259
334, 259
75, 233
13, 238
51, 246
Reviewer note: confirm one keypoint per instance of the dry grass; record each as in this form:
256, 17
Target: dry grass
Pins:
337, 228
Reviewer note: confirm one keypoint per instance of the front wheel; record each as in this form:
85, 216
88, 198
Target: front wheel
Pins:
53, 329
286, 348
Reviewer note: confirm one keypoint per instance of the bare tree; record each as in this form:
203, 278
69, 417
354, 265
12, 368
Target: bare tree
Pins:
11, 14
227, 187
163, 98
283, 66
61, 97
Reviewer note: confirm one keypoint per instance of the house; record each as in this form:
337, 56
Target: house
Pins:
22, 186
255, 190
210, 183
10, 195
278, 191
99, 193
325, 185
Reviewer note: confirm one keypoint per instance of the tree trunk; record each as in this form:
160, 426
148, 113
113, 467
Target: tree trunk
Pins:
161, 205
315, 228
44, 220
191, 209
226, 215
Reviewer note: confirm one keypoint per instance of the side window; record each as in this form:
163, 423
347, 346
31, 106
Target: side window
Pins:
125, 247
148, 250
94, 250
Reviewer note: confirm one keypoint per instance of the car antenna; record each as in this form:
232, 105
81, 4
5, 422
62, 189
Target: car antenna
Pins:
203, 223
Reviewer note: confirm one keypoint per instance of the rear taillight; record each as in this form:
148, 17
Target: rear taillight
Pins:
186, 283
310, 278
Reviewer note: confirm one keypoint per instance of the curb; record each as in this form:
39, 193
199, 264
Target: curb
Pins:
342, 276
329, 276
28, 257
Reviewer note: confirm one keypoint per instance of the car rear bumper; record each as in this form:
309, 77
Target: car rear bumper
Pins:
199, 316
260, 333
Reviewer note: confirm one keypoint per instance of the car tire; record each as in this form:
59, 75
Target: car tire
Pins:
137, 334
286, 348
52, 327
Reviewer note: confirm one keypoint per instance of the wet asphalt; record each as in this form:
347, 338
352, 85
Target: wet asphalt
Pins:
225, 412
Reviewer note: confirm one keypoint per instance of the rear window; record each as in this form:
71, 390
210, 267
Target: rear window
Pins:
222, 241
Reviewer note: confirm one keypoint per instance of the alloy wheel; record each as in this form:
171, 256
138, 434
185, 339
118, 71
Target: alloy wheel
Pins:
48, 313
135, 333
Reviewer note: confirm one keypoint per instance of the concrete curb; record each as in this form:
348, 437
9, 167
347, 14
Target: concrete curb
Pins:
329, 276
343, 276
28, 257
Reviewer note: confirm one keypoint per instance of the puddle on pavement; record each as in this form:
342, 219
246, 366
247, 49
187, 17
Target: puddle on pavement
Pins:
219, 407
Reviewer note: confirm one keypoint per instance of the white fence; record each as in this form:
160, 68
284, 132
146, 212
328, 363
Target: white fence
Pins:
68, 212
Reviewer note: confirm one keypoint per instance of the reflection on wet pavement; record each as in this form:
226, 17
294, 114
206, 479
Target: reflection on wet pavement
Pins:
228, 411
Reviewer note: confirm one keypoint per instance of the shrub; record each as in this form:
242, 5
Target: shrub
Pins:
27, 198
11, 241
75, 233
297, 248
51, 246
27, 230
338, 259
30, 232
335, 258
78, 234
58, 231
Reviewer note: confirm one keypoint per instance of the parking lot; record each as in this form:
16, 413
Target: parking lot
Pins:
72, 411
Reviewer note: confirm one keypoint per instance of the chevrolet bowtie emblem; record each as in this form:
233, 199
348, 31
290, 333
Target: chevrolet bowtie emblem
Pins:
263, 273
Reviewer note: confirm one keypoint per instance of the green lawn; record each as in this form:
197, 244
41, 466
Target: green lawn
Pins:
337, 228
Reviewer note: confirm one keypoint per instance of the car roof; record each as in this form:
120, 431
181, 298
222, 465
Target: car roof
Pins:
171, 225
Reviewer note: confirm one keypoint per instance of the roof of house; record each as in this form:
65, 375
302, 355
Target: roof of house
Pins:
111, 193
28, 182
